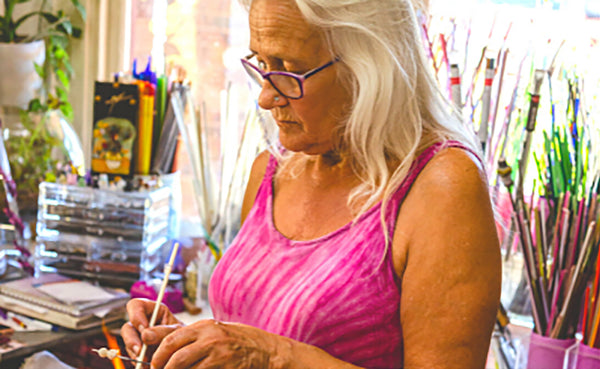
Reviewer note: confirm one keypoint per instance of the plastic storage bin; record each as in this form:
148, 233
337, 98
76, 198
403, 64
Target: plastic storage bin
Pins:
112, 236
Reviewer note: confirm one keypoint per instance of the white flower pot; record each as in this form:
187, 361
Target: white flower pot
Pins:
19, 82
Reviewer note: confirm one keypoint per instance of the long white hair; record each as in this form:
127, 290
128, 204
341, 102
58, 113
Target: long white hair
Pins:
398, 108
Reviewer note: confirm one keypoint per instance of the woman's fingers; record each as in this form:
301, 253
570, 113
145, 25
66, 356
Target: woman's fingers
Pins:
136, 331
204, 344
140, 311
155, 335
131, 338
177, 350
137, 310
209, 344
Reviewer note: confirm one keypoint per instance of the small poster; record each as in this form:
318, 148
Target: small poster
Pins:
116, 107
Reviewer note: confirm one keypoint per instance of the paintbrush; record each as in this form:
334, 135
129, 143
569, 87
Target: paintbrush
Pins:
157, 304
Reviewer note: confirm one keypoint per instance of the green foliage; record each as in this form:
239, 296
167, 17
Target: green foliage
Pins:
57, 24
31, 154
57, 30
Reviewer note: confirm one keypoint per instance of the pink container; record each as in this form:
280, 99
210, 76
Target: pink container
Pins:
583, 357
547, 353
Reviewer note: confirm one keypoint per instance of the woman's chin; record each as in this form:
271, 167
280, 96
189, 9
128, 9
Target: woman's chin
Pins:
296, 144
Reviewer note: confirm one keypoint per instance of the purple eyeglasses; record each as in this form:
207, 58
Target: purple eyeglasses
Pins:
290, 85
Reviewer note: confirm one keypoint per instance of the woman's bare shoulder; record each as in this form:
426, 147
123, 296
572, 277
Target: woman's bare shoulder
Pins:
455, 168
451, 188
449, 260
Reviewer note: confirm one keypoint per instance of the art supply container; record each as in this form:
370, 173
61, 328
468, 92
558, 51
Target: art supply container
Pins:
544, 352
112, 236
581, 356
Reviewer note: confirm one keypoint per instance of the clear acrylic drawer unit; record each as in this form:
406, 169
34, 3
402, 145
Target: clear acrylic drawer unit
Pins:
112, 236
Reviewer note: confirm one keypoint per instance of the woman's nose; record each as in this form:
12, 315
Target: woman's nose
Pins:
269, 97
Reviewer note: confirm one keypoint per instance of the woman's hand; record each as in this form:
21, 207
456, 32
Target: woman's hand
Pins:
136, 331
212, 344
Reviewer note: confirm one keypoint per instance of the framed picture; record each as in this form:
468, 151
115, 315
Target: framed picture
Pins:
116, 108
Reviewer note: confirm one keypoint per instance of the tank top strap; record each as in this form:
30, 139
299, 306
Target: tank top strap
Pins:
266, 186
420, 162
271, 168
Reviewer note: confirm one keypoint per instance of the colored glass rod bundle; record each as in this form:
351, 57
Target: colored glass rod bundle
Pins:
516, 75
559, 233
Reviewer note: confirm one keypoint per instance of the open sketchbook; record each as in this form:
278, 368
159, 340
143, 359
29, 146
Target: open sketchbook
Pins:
63, 301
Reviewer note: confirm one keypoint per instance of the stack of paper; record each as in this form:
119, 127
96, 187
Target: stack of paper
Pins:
63, 301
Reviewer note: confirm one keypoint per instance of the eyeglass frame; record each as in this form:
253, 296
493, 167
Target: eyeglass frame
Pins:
300, 78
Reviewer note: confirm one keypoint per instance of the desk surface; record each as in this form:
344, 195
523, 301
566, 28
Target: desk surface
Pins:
42, 340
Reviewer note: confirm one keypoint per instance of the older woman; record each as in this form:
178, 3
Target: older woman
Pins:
368, 238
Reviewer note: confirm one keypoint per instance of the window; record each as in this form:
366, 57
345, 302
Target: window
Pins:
206, 38
200, 41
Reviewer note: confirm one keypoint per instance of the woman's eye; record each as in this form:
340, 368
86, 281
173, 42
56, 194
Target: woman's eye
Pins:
262, 65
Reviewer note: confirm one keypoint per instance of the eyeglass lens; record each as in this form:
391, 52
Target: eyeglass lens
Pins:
286, 85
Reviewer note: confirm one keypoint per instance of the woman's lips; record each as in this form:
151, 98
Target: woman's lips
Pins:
285, 122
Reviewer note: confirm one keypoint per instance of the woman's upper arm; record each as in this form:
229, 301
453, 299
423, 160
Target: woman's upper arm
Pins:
451, 266
257, 173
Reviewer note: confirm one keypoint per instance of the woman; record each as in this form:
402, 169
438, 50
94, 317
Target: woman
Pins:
368, 240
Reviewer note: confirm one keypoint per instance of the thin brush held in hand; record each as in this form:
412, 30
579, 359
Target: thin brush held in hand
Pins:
161, 293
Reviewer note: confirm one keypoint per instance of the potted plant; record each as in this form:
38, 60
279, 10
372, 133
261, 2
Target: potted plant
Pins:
36, 124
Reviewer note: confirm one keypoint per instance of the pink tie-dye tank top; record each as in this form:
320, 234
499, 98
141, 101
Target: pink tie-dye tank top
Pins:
333, 292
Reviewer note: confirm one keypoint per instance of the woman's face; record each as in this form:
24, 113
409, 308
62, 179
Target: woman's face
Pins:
283, 41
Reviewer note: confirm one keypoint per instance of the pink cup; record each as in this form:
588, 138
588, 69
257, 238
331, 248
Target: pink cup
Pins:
584, 357
547, 353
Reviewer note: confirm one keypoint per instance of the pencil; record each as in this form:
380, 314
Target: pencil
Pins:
576, 279
586, 300
19, 322
595, 325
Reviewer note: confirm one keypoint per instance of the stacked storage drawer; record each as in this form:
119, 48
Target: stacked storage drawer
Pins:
115, 237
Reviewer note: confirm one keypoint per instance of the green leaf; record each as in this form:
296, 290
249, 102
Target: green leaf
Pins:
64, 80
39, 69
67, 111
65, 27
66, 57
61, 94
59, 52
77, 32
58, 39
80, 8
35, 105
49, 17
67, 66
